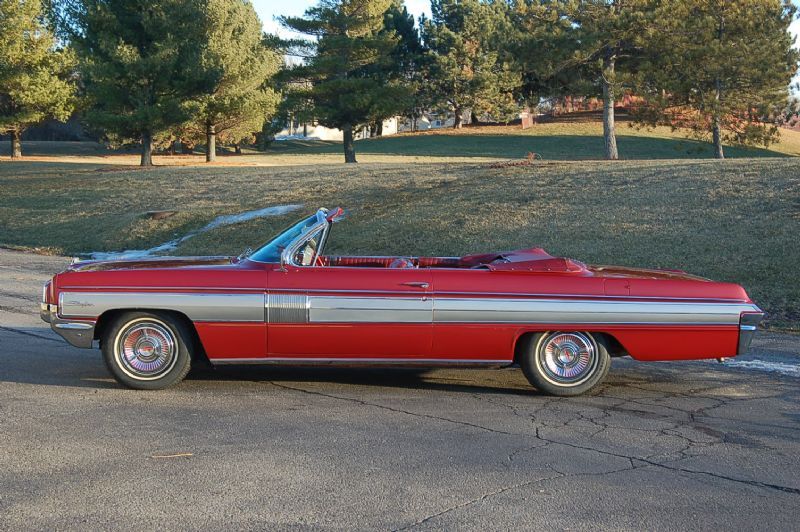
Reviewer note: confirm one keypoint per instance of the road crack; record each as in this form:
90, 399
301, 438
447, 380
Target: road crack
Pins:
391, 409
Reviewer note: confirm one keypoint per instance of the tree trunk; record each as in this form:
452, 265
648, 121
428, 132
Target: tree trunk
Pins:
305, 129
238, 149
211, 143
349, 144
379, 128
609, 125
458, 121
147, 149
474, 118
716, 130
16, 144
719, 153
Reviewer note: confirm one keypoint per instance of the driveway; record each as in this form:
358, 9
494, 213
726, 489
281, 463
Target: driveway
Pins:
673, 446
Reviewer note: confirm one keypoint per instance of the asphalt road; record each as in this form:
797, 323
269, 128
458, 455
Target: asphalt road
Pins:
671, 446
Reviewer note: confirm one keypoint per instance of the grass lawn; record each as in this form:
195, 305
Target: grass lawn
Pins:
734, 220
554, 142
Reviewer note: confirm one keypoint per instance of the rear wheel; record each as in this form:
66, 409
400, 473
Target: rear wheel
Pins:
565, 363
147, 351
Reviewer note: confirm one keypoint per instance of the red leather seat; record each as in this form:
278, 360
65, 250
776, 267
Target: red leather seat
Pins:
401, 263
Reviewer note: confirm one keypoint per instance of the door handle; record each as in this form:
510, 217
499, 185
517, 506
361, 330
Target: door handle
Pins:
417, 284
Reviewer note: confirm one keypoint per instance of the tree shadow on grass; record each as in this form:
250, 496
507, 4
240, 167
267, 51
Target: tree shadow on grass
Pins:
552, 147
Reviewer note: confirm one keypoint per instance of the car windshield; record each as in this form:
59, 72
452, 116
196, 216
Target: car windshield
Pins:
271, 252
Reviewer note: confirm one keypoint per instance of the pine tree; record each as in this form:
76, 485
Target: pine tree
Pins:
405, 64
141, 65
242, 62
606, 38
36, 81
342, 62
465, 67
543, 45
721, 68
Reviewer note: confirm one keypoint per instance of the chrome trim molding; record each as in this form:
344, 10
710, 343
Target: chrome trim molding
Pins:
197, 307
489, 310
402, 308
334, 309
74, 325
565, 297
300, 361
287, 308
748, 326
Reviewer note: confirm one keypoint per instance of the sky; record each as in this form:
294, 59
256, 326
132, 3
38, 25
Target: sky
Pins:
269, 9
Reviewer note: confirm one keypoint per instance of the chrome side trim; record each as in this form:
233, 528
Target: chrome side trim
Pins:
287, 308
301, 308
567, 297
488, 310
80, 326
197, 307
327, 309
301, 361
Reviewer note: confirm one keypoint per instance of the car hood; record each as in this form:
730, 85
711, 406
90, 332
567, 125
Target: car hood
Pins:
147, 263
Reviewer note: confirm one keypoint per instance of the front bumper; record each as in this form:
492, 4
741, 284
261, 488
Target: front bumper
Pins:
748, 325
75, 332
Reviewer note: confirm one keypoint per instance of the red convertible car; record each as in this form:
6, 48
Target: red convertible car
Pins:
290, 303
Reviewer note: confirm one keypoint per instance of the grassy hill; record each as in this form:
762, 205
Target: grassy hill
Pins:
734, 220
570, 141
556, 141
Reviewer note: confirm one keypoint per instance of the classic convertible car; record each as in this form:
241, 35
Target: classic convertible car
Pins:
290, 303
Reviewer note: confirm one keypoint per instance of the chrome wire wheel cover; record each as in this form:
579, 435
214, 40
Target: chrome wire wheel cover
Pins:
146, 349
567, 358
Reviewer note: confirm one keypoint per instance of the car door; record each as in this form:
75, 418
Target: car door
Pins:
332, 312
477, 311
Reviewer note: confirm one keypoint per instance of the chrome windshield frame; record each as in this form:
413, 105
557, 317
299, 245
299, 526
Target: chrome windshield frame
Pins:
323, 224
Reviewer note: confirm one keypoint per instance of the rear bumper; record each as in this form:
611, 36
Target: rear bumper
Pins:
748, 325
75, 332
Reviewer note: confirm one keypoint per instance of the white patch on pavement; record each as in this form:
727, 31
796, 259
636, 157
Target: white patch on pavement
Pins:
793, 370
219, 221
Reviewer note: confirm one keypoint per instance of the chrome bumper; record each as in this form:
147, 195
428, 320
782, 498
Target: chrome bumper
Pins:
77, 333
748, 325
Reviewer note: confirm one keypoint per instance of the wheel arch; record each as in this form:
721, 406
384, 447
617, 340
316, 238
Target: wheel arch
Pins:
610, 342
106, 319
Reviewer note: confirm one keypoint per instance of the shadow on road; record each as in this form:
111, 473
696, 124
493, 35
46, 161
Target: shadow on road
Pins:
37, 356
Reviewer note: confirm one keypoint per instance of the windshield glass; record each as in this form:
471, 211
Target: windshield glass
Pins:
271, 252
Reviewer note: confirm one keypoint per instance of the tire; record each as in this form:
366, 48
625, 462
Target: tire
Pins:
565, 363
147, 350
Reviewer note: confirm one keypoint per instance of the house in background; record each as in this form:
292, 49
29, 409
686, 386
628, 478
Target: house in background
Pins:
295, 131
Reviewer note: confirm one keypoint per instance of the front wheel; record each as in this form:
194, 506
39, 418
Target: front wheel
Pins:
147, 351
565, 363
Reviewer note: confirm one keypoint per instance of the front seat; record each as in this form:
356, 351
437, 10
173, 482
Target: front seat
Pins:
401, 263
